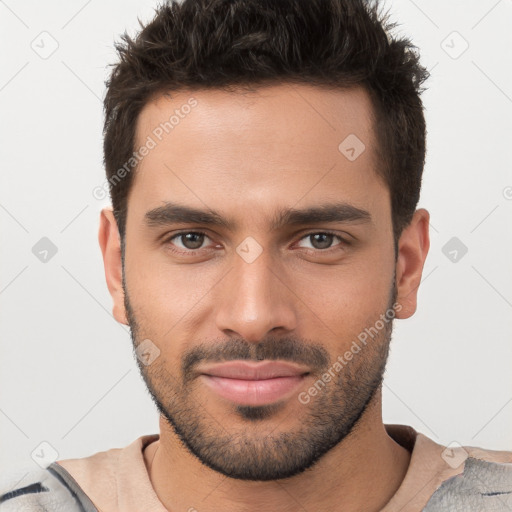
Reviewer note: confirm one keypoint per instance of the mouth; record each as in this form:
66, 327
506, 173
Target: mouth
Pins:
249, 383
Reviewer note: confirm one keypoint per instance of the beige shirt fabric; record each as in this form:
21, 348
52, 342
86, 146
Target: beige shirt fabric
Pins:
117, 480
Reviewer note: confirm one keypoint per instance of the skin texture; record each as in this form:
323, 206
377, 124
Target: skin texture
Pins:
304, 299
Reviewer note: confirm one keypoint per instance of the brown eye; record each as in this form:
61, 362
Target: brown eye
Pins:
191, 240
322, 240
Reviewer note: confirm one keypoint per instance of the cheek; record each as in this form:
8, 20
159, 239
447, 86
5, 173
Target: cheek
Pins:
161, 289
168, 301
349, 294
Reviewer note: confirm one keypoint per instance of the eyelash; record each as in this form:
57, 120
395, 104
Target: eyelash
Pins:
190, 252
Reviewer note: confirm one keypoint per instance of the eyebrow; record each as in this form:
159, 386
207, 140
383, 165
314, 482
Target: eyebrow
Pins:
173, 213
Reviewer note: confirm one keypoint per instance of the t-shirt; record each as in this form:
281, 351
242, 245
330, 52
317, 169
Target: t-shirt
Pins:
438, 478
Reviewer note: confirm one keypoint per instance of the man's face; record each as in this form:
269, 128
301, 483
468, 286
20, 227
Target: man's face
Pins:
253, 288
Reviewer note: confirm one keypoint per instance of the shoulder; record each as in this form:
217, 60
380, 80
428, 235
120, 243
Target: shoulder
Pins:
50, 489
87, 484
484, 484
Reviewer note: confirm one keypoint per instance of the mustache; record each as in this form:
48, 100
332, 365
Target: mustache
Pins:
288, 349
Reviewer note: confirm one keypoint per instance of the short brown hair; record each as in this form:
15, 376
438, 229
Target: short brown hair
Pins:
224, 43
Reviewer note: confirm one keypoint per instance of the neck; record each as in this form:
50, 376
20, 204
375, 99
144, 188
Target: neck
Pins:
361, 473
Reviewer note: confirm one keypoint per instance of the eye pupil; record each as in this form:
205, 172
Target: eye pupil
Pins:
325, 243
193, 239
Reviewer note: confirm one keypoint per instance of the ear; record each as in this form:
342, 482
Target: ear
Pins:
413, 247
110, 244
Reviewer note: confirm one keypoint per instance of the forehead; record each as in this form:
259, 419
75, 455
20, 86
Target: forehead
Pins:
278, 143
285, 113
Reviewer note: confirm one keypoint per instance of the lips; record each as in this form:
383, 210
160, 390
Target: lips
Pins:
250, 383
247, 370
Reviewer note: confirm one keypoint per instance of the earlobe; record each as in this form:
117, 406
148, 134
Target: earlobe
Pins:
110, 244
413, 248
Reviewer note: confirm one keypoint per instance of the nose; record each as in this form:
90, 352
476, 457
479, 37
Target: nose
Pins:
254, 300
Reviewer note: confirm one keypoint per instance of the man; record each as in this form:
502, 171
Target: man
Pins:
264, 161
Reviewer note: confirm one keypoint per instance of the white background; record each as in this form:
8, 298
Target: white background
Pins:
67, 374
